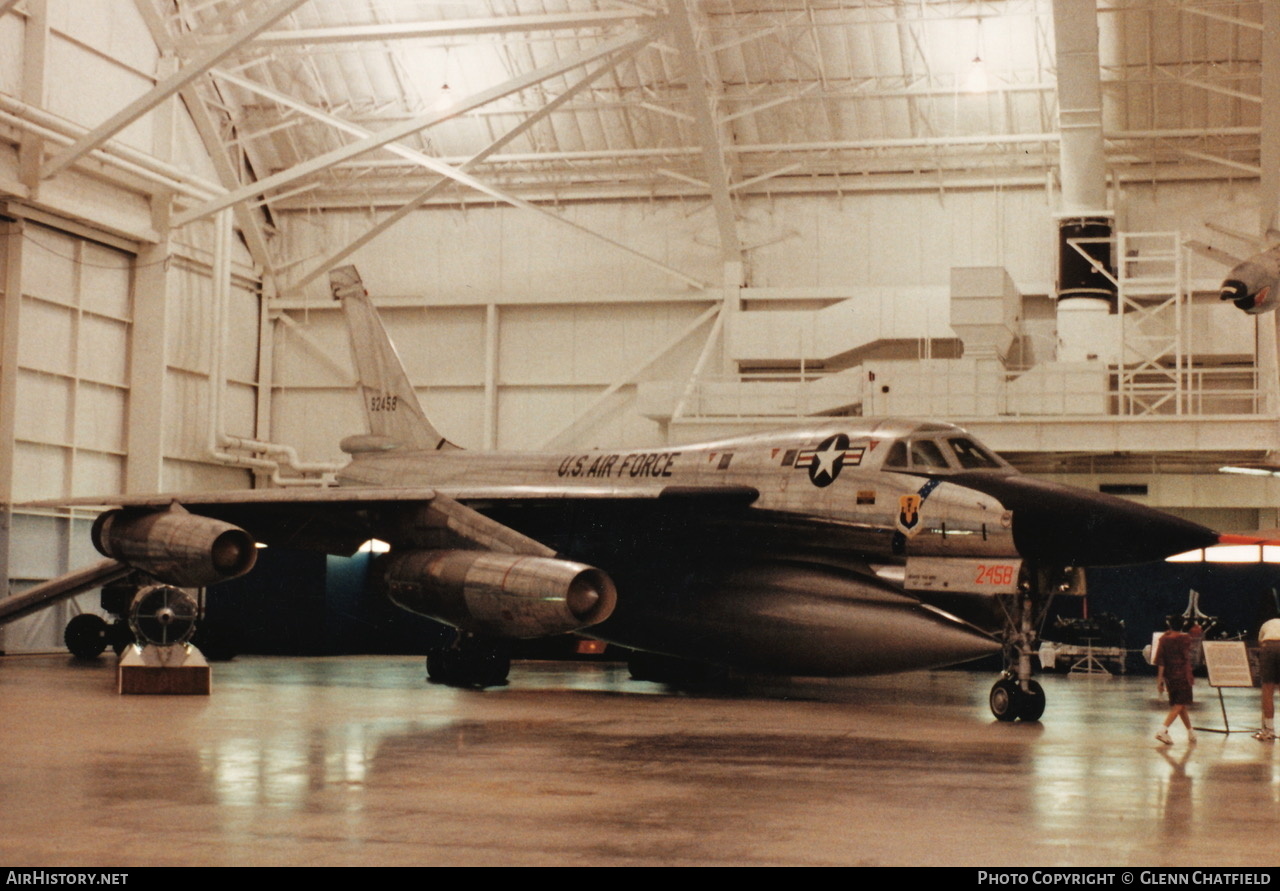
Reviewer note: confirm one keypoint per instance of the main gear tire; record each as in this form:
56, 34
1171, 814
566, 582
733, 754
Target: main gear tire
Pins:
86, 636
470, 663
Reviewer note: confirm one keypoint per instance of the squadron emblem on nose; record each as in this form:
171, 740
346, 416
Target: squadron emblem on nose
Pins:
909, 514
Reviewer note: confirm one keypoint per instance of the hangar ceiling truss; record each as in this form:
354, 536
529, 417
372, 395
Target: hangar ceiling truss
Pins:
389, 105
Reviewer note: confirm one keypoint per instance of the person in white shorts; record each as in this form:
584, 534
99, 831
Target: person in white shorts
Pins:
1269, 670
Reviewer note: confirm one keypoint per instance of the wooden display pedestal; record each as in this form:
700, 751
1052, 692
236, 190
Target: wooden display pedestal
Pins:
178, 669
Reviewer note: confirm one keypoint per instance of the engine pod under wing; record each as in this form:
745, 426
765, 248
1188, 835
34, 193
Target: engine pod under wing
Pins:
175, 547
508, 595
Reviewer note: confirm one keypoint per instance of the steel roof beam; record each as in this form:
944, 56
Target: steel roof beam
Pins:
755, 180
440, 185
764, 106
251, 224
1210, 87
856, 90
907, 182
171, 85
784, 148
523, 24
708, 131
1221, 17
1251, 169
385, 137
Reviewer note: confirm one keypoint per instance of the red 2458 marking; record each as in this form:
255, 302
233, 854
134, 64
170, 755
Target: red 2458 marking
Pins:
994, 575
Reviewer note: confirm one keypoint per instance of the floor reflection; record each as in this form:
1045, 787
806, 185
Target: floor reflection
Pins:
345, 761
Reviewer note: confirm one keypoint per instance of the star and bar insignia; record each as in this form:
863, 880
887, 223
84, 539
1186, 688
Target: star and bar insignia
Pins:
826, 461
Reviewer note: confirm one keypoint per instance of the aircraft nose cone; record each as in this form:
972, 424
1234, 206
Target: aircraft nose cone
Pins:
1059, 524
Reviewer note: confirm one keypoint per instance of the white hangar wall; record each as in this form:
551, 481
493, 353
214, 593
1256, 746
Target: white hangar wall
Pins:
510, 324
110, 334
900, 240
562, 315
575, 315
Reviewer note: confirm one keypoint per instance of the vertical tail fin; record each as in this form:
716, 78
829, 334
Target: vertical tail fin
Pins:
390, 404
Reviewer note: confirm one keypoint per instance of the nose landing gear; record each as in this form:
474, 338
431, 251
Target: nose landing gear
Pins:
1010, 702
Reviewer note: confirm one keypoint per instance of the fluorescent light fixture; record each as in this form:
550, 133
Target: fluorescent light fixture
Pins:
1247, 471
1233, 554
1229, 554
374, 546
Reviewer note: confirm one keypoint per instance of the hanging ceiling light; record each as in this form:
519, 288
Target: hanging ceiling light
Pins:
976, 79
444, 99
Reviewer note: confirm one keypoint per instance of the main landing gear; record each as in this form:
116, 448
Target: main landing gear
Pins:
88, 635
470, 662
672, 670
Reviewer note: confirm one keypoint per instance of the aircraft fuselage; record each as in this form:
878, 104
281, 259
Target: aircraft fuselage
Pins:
832, 474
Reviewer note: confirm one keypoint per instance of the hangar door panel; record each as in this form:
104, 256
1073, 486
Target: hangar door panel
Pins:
74, 339
74, 320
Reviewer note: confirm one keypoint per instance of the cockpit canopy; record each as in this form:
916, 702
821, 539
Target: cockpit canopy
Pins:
941, 453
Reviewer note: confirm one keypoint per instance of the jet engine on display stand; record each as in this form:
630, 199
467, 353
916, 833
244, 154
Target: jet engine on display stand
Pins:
161, 659
152, 635
144, 613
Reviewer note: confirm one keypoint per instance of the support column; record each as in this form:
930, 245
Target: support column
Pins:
10, 307
264, 394
148, 370
35, 48
732, 284
491, 335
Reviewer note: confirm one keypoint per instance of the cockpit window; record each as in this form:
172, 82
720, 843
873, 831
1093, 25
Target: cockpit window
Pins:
940, 455
897, 456
971, 455
925, 455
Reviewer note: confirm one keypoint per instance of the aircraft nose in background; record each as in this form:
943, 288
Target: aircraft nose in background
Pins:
1063, 525
1235, 290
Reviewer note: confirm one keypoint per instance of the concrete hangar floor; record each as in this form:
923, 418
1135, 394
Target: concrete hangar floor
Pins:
359, 761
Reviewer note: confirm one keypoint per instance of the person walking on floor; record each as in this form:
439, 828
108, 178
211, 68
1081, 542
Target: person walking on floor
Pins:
1269, 671
1173, 673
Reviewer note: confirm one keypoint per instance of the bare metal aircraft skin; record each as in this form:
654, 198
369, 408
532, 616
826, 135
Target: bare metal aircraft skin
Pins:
848, 547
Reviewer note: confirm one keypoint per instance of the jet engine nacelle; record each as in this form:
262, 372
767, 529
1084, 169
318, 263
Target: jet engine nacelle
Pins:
1254, 285
175, 547
509, 595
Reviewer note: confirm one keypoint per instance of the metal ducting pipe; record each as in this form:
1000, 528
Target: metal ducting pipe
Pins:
1085, 292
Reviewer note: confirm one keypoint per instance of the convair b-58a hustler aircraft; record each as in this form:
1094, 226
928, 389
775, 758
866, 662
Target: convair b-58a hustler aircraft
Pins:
846, 547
